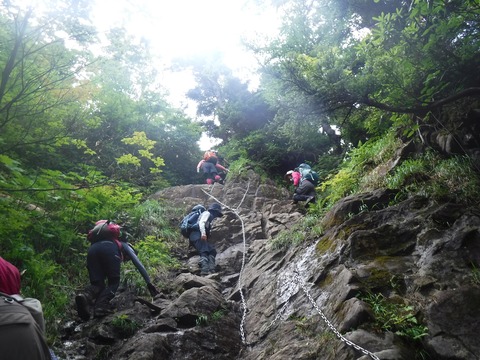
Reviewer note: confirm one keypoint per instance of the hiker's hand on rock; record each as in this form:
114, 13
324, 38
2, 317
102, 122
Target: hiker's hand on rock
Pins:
204, 237
152, 289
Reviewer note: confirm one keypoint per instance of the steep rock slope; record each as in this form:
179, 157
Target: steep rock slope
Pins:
308, 301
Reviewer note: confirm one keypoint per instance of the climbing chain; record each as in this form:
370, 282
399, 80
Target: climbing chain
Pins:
278, 316
298, 280
240, 277
329, 324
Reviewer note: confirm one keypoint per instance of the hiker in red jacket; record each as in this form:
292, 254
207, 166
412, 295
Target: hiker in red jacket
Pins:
104, 258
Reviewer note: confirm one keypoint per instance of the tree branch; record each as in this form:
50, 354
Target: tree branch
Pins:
475, 91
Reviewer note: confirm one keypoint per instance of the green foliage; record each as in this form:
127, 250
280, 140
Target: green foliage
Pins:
432, 175
202, 320
218, 315
240, 167
155, 239
155, 255
124, 326
359, 171
155, 218
399, 318
307, 229
475, 275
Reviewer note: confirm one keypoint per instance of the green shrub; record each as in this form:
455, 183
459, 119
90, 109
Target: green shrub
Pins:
358, 171
399, 318
432, 175
308, 228
124, 326
155, 255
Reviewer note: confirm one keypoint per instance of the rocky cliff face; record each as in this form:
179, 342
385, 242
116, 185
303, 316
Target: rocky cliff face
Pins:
363, 273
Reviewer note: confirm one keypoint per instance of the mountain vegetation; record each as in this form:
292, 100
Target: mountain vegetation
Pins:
87, 133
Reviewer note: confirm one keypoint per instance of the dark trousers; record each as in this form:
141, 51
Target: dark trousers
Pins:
204, 248
305, 191
103, 263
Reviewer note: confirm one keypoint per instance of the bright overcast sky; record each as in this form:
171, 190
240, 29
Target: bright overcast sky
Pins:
180, 28
184, 28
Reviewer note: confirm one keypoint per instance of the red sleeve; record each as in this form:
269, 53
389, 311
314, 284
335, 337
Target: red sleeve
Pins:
296, 178
9, 278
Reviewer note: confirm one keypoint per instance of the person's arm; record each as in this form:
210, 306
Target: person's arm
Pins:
296, 178
138, 264
220, 167
202, 224
200, 163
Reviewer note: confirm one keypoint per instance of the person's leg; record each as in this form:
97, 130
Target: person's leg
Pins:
87, 297
304, 192
209, 171
211, 259
204, 249
297, 197
111, 263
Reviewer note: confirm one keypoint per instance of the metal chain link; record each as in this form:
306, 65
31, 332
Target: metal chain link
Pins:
240, 277
279, 314
284, 307
329, 324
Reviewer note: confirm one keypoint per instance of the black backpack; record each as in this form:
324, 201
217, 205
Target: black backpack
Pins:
190, 221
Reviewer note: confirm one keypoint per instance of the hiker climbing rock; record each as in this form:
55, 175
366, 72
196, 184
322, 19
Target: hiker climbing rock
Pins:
103, 263
293, 176
21, 335
211, 167
199, 238
306, 189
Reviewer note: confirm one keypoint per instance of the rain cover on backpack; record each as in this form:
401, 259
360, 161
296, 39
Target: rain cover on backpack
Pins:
307, 173
190, 221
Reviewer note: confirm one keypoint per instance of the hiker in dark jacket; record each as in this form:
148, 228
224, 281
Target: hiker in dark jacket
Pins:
199, 239
103, 263
305, 192
21, 336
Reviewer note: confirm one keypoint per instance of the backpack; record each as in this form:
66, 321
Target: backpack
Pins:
307, 173
190, 221
313, 177
210, 156
27, 313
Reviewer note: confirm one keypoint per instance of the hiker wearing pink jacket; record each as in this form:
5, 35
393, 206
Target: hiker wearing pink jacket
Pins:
293, 177
210, 167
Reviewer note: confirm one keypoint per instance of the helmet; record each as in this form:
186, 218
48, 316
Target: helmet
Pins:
289, 172
217, 208
104, 230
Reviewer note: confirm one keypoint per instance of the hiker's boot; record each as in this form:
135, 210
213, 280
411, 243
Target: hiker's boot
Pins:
204, 266
310, 200
83, 307
211, 264
102, 305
